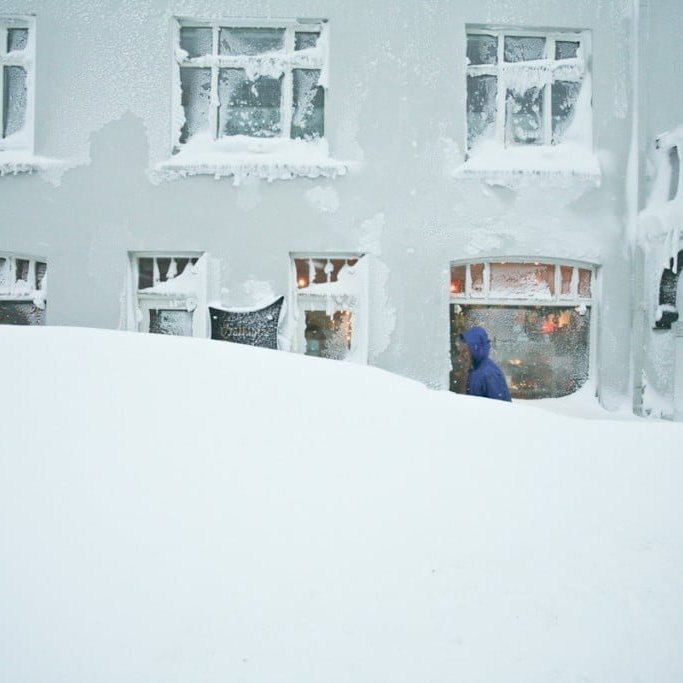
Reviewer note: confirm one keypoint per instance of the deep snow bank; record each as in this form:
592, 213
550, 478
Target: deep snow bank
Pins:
183, 510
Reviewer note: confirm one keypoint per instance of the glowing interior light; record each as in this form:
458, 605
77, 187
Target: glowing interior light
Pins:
302, 282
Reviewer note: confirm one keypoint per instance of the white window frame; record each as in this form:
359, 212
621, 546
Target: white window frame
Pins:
356, 302
33, 293
25, 59
192, 300
505, 74
287, 61
484, 298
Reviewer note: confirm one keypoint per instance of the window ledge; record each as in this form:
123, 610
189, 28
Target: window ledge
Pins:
270, 160
558, 165
13, 162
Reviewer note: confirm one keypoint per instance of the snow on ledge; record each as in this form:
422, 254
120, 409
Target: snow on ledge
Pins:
13, 162
558, 164
242, 157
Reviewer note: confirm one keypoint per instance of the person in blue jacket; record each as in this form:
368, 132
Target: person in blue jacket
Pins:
485, 378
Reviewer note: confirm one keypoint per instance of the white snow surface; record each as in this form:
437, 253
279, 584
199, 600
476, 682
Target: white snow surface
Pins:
175, 509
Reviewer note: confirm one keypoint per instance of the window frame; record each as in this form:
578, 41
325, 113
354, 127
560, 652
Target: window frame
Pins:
37, 295
310, 301
26, 60
289, 62
556, 301
143, 300
503, 70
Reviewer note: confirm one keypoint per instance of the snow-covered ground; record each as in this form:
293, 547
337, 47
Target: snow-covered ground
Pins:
174, 509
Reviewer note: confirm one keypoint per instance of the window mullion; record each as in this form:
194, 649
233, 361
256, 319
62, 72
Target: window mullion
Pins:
3, 50
214, 103
500, 93
486, 288
287, 86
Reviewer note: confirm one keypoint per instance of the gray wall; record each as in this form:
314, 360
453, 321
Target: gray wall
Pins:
396, 103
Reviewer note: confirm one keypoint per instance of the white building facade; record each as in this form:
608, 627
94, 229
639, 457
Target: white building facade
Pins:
392, 172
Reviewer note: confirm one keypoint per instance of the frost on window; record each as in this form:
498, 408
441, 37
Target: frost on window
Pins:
17, 39
524, 49
537, 316
524, 116
196, 86
566, 49
564, 96
196, 41
328, 336
177, 323
308, 105
14, 97
541, 77
481, 107
482, 49
252, 82
249, 107
22, 291
250, 41
255, 328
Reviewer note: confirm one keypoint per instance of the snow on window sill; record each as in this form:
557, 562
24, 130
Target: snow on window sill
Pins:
13, 162
560, 164
241, 157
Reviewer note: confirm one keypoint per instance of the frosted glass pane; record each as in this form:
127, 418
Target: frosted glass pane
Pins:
145, 273
481, 107
524, 48
482, 49
4, 275
458, 279
14, 99
542, 350
566, 49
41, 270
21, 272
196, 99
524, 117
477, 278
584, 283
522, 281
303, 40
308, 105
21, 313
564, 96
249, 107
250, 41
566, 280
178, 323
328, 336
196, 41
17, 38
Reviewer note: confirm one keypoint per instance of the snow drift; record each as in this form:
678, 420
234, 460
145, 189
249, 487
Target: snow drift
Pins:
181, 510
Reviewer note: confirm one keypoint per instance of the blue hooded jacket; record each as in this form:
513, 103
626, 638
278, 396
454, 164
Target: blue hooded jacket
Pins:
485, 378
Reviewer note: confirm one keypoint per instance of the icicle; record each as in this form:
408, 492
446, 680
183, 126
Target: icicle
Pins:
172, 270
155, 276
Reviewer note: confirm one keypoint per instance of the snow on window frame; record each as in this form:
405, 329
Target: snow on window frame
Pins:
185, 291
348, 293
15, 289
279, 157
555, 298
22, 139
545, 72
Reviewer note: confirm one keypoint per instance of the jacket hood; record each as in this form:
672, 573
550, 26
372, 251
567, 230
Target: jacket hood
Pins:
478, 343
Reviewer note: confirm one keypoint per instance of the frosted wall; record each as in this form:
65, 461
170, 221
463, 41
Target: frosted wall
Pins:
396, 109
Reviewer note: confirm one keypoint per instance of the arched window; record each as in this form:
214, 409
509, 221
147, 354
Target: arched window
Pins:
538, 316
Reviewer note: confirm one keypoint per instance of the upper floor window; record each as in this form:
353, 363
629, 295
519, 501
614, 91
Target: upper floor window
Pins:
16, 83
527, 88
248, 83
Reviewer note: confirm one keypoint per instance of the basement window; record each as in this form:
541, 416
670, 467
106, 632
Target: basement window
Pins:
23, 290
168, 290
330, 292
538, 317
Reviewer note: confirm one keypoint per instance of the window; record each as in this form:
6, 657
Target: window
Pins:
331, 305
246, 82
527, 88
538, 316
16, 83
169, 289
23, 290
